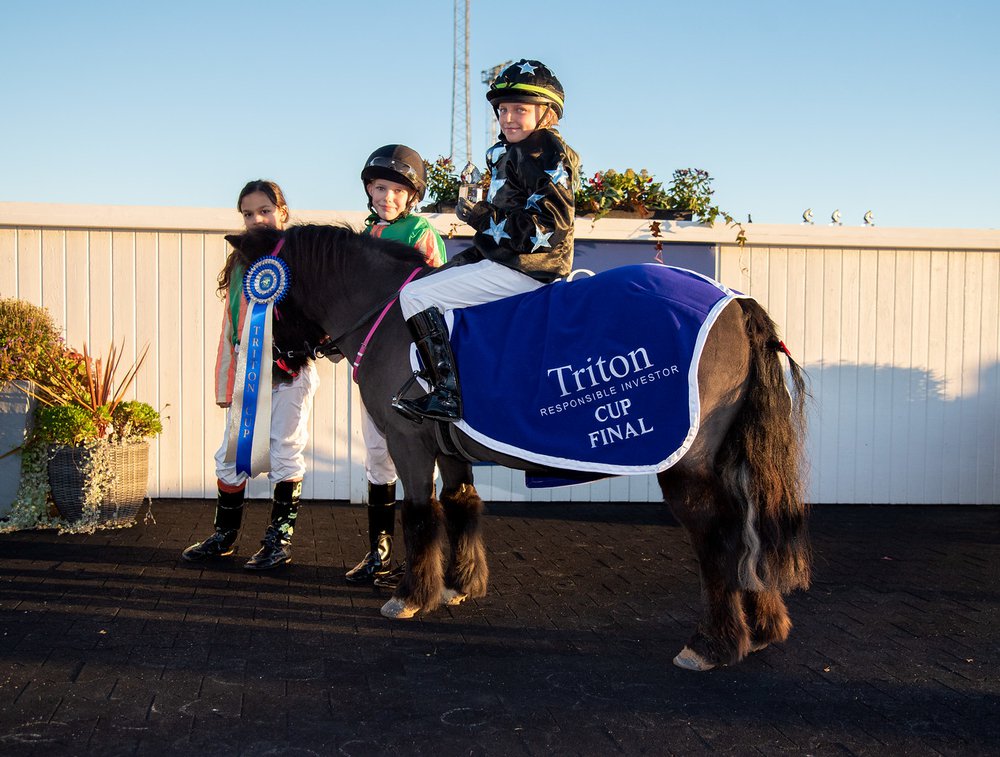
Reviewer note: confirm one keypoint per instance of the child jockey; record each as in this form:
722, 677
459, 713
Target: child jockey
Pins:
395, 180
524, 229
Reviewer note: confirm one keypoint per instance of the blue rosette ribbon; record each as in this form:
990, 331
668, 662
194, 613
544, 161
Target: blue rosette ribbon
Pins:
265, 284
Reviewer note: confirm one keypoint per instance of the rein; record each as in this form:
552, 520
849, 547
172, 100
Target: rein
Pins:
374, 328
328, 346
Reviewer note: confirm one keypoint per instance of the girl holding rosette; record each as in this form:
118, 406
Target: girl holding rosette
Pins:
262, 205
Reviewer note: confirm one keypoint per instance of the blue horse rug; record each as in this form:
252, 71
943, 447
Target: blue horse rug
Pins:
597, 375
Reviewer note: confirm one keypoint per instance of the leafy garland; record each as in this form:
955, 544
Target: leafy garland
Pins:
31, 505
690, 190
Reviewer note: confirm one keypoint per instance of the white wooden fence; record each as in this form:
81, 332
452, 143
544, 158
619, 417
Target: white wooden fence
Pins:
899, 330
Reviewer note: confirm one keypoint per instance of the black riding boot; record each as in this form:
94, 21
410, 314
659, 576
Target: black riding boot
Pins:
444, 402
381, 525
276, 546
228, 517
391, 579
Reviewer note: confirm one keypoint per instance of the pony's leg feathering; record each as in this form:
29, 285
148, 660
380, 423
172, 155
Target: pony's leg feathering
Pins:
421, 586
467, 573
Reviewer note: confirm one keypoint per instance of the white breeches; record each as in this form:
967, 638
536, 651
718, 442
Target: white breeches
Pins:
378, 465
463, 286
291, 406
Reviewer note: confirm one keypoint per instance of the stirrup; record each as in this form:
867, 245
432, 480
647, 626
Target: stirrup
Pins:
397, 400
424, 407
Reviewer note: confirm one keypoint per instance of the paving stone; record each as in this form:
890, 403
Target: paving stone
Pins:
110, 644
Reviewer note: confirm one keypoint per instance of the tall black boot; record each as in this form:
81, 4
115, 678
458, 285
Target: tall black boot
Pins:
276, 546
381, 525
228, 517
444, 402
391, 579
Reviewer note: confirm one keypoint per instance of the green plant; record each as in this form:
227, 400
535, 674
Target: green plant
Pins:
442, 181
691, 189
27, 337
628, 190
66, 425
133, 421
88, 383
130, 421
81, 404
32, 507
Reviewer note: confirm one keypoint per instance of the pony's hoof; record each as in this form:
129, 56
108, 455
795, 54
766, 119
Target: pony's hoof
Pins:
758, 647
691, 660
398, 609
450, 597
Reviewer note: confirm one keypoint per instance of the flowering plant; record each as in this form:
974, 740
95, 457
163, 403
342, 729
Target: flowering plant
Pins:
27, 337
81, 405
689, 195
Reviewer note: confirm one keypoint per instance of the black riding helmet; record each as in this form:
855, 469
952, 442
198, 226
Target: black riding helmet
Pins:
527, 81
397, 163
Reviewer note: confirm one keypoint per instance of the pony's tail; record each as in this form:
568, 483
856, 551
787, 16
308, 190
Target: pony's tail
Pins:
761, 463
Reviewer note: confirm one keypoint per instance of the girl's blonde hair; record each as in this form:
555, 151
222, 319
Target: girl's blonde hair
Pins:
549, 119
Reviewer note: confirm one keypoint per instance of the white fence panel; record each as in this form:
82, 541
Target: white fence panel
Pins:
902, 351
898, 329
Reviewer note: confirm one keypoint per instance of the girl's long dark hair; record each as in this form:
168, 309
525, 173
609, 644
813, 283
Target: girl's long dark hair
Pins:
276, 196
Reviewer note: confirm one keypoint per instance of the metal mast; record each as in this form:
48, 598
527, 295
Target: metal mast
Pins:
461, 115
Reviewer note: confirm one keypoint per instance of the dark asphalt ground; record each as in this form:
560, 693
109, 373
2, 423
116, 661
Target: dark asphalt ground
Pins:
111, 646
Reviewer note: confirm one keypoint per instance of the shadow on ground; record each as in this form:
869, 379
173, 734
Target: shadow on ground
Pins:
110, 645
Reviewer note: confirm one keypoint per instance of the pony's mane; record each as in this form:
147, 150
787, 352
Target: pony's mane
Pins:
308, 244
319, 254
319, 257
323, 240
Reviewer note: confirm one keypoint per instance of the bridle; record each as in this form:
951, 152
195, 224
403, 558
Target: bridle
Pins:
328, 346
371, 332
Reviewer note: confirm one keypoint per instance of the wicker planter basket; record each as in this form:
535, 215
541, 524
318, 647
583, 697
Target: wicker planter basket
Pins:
123, 497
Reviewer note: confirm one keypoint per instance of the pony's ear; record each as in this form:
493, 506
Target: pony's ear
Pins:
236, 240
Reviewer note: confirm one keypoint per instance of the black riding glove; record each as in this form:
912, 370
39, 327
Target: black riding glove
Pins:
472, 214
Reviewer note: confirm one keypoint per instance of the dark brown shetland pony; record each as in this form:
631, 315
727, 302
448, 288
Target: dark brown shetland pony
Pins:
738, 491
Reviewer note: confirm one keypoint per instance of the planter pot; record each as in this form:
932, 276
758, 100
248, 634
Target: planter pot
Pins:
123, 495
673, 215
620, 214
439, 207
655, 215
16, 409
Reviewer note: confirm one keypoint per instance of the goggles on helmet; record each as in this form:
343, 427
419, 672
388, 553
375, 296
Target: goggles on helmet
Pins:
398, 166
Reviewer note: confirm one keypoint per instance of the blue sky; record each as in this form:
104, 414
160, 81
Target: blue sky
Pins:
888, 106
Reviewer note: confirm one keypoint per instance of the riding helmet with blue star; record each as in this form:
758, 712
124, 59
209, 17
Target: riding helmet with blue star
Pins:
527, 81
